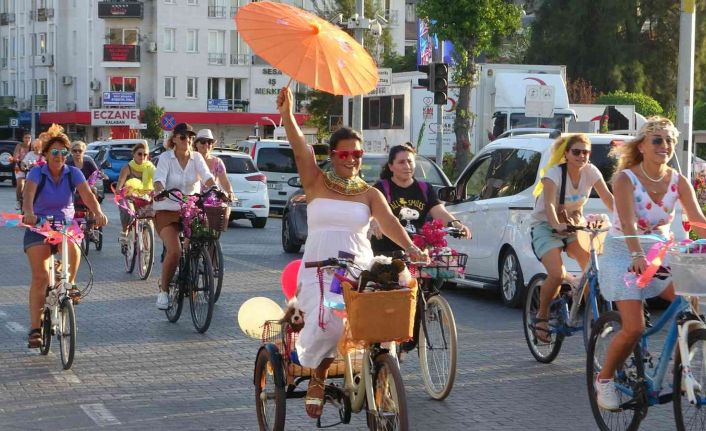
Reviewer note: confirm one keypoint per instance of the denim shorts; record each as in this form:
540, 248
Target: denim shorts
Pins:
32, 239
543, 239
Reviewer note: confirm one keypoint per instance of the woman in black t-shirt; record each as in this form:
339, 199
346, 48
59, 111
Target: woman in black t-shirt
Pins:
411, 201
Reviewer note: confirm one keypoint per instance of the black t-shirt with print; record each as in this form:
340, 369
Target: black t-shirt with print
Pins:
409, 206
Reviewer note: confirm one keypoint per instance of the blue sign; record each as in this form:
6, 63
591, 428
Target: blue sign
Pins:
25, 117
119, 98
168, 121
217, 105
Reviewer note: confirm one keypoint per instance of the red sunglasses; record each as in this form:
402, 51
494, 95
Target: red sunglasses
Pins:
343, 154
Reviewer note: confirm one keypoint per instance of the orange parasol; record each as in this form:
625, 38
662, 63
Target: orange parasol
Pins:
307, 48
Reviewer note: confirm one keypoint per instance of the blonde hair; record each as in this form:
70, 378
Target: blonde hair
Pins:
80, 144
628, 154
558, 155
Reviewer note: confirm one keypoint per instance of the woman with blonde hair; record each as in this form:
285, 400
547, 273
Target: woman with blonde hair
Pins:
136, 176
565, 185
646, 193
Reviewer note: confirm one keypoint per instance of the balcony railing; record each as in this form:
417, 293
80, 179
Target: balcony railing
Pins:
216, 11
125, 53
7, 18
7, 101
240, 59
217, 58
120, 9
43, 14
41, 100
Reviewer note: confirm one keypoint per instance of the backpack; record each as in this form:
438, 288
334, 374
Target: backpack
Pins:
423, 186
43, 181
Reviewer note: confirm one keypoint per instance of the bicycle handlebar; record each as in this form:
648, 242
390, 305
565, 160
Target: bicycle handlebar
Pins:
173, 192
332, 261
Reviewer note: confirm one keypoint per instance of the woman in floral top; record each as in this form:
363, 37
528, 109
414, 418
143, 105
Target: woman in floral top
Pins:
203, 143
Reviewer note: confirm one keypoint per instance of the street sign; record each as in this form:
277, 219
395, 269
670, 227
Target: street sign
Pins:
119, 98
385, 75
167, 121
217, 105
140, 126
14, 122
539, 101
114, 117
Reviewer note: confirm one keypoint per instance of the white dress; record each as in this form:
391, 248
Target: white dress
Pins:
334, 225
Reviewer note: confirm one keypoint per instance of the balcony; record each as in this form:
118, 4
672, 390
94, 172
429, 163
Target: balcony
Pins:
218, 58
240, 59
43, 14
123, 9
40, 101
216, 11
7, 101
121, 55
7, 18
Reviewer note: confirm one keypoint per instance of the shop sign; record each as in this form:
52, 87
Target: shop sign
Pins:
115, 117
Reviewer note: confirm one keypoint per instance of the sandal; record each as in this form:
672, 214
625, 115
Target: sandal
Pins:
34, 339
316, 383
547, 338
74, 294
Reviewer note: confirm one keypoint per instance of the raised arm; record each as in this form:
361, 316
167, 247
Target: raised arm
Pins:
306, 162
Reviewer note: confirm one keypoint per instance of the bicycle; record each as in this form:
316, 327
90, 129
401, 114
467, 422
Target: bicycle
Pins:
139, 246
564, 310
371, 378
194, 273
91, 234
639, 388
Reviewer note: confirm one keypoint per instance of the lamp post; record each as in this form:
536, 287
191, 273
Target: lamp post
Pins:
270, 120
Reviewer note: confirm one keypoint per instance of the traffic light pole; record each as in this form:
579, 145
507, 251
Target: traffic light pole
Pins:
685, 85
358, 100
439, 58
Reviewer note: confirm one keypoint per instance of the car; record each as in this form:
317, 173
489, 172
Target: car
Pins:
7, 165
249, 186
294, 221
111, 161
128, 143
493, 196
275, 159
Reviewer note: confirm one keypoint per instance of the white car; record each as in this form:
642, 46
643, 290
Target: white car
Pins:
249, 186
493, 196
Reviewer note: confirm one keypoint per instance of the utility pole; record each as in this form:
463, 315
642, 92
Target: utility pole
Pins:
359, 24
439, 58
685, 84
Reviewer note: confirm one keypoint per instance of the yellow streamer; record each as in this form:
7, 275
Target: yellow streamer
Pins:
556, 157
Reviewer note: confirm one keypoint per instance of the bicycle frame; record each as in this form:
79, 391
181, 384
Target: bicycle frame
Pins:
357, 396
63, 279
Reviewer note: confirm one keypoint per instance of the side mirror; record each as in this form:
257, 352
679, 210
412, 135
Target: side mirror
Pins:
294, 182
447, 194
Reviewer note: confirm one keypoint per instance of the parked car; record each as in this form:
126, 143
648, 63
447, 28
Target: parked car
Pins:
275, 159
249, 185
493, 196
7, 166
114, 143
111, 161
294, 222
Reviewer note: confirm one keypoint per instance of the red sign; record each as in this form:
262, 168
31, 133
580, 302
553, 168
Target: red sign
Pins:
121, 53
114, 117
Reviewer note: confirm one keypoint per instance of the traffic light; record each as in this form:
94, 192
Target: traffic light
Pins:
440, 85
427, 82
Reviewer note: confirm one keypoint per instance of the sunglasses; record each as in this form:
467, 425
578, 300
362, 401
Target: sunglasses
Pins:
206, 141
56, 152
343, 154
76, 150
577, 152
140, 154
658, 140
183, 137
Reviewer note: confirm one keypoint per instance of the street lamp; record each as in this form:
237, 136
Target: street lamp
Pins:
270, 120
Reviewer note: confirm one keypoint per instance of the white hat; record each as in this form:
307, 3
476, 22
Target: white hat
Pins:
204, 133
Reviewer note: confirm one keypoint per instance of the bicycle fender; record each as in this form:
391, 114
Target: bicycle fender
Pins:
277, 364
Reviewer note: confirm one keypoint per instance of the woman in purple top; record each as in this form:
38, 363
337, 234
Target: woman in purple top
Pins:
49, 192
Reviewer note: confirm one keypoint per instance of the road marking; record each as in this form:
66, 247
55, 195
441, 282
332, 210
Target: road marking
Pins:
15, 327
67, 376
100, 414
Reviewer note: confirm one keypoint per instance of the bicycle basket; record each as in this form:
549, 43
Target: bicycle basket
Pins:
217, 217
143, 207
687, 272
446, 266
201, 231
380, 316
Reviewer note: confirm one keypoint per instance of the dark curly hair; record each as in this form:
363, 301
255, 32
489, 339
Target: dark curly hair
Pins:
341, 134
61, 139
386, 173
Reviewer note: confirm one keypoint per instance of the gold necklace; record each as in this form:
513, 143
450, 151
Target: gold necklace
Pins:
649, 177
345, 186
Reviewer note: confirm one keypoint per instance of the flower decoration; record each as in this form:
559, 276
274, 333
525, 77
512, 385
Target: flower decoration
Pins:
431, 237
191, 214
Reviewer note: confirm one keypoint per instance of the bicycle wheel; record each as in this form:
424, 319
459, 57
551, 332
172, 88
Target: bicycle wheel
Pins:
389, 394
629, 374
45, 330
131, 249
589, 319
67, 332
689, 416
438, 348
85, 242
542, 352
146, 251
176, 294
270, 398
99, 238
216, 253
201, 290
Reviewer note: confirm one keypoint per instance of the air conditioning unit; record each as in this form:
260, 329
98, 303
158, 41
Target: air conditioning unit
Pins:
67, 80
43, 60
152, 47
71, 106
95, 85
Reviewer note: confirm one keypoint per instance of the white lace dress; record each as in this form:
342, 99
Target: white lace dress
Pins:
334, 225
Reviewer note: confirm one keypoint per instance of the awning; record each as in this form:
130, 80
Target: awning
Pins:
215, 118
510, 89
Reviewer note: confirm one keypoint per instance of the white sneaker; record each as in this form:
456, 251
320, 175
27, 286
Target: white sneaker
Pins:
606, 394
162, 300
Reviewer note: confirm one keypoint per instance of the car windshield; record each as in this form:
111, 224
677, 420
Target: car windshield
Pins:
238, 165
519, 120
276, 160
121, 155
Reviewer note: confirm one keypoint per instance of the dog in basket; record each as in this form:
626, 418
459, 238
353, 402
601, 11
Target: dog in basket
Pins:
384, 273
293, 314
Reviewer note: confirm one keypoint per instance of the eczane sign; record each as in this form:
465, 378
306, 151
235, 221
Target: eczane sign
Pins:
114, 117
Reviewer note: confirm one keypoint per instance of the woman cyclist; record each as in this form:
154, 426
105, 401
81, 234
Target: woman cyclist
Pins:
49, 192
137, 175
568, 165
646, 192
20, 152
179, 168
203, 143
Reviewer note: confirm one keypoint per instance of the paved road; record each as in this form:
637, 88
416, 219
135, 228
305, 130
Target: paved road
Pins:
135, 371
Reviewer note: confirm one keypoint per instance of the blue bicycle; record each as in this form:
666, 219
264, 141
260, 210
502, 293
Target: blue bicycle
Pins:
565, 311
641, 381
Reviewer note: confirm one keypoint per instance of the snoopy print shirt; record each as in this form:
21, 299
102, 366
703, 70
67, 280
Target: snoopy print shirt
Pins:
575, 197
410, 206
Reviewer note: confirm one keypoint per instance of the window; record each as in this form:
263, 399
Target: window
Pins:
22, 46
239, 50
41, 43
170, 1
519, 120
276, 160
238, 165
217, 8
121, 83
192, 40
170, 39
386, 112
212, 91
192, 2
122, 36
216, 47
233, 88
13, 47
74, 43
169, 86
476, 181
505, 172
192, 88
40, 87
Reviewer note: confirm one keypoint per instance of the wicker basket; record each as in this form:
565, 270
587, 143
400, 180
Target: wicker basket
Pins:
447, 266
380, 316
217, 217
688, 272
143, 207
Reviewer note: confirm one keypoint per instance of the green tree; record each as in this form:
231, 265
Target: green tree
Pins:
152, 114
321, 106
474, 27
644, 104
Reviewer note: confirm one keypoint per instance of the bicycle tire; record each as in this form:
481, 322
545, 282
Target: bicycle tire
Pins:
697, 359
544, 353
131, 249
588, 318
176, 295
99, 243
438, 319
390, 397
85, 243
216, 253
45, 330
145, 257
67, 332
625, 419
269, 418
201, 293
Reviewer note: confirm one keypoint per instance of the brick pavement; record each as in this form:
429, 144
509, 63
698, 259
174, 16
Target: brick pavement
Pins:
135, 371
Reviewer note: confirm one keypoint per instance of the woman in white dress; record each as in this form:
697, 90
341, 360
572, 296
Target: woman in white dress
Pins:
340, 206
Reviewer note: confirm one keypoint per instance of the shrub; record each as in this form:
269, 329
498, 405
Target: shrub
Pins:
644, 104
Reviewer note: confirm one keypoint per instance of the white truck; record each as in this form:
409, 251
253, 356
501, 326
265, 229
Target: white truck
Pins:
623, 118
404, 111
